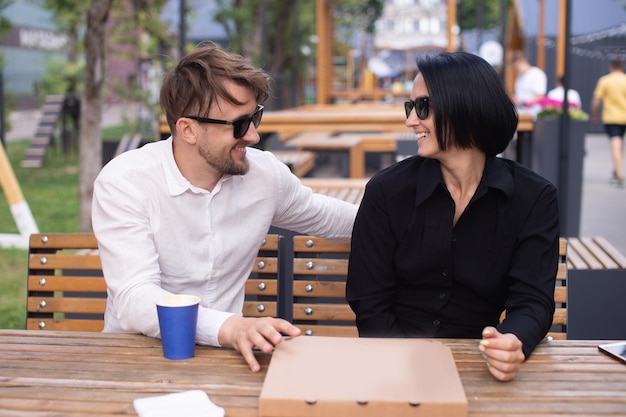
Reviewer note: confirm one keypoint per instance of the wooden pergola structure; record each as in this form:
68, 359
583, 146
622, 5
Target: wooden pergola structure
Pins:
515, 38
325, 36
514, 41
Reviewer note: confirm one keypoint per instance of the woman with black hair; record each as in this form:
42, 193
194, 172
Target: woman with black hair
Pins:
447, 240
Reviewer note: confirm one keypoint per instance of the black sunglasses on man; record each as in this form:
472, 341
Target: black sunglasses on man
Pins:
240, 126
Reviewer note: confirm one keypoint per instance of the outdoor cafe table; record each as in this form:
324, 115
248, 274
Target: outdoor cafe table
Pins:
367, 119
45, 373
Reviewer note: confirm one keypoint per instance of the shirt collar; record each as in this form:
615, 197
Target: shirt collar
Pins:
496, 176
177, 184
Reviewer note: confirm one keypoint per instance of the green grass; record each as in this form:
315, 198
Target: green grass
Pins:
52, 195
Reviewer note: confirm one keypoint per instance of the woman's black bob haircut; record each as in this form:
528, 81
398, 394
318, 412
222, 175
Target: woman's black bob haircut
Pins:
471, 105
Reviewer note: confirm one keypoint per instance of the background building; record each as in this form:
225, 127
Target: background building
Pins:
31, 42
598, 30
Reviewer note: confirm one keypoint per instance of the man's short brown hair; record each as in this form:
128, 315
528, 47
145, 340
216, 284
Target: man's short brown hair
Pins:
198, 80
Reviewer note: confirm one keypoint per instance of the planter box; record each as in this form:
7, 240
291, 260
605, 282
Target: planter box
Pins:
562, 167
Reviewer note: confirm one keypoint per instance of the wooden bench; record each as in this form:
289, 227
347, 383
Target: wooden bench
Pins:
593, 253
320, 269
319, 304
346, 189
596, 288
127, 143
66, 289
299, 162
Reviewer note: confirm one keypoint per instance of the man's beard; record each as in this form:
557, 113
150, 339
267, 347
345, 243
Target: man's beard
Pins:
225, 164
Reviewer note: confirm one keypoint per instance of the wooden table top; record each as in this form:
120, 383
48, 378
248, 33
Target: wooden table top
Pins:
346, 189
77, 374
338, 118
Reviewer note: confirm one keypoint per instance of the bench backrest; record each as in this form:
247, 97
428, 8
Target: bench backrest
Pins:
66, 289
559, 321
320, 268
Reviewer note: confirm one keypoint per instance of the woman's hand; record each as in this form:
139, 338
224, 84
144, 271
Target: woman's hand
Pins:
503, 353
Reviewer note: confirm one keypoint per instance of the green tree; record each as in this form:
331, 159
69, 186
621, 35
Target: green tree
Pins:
5, 26
468, 16
274, 33
91, 18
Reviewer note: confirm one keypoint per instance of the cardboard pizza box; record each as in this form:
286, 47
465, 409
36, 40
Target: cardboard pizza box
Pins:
364, 377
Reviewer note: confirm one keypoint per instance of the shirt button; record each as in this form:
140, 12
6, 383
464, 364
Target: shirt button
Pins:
454, 238
444, 273
442, 295
436, 322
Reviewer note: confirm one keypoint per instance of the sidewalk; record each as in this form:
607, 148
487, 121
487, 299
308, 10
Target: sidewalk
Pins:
603, 207
24, 123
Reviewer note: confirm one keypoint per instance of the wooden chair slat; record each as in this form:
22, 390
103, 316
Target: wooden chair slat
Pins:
608, 248
260, 309
314, 288
318, 244
66, 283
320, 266
602, 257
334, 312
53, 304
334, 331
63, 241
560, 294
64, 324
560, 317
561, 273
47, 261
261, 286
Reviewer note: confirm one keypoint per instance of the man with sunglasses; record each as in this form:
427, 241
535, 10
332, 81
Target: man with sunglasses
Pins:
447, 240
188, 214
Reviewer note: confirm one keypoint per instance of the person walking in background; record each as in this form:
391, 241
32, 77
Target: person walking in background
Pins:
610, 92
447, 240
558, 94
531, 84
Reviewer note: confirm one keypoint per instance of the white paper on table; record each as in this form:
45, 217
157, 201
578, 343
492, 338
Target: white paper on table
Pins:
195, 403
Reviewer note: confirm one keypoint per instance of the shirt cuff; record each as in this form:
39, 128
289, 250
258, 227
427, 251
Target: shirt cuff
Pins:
209, 323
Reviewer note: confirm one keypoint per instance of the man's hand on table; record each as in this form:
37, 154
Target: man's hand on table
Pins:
246, 333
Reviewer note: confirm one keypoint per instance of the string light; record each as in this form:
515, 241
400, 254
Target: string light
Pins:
586, 45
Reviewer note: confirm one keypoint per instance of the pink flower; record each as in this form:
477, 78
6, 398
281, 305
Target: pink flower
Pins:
550, 103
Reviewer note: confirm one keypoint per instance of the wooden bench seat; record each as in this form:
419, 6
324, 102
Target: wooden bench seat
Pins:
593, 253
66, 289
320, 270
299, 162
596, 286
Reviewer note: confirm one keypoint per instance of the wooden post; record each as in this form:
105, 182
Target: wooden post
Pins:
560, 45
451, 24
19, 207
324, 28
541, 36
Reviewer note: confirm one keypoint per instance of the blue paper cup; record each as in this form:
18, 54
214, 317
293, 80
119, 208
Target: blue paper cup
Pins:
178, 318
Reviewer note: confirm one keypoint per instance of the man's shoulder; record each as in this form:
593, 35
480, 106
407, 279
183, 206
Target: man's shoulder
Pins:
261, 159
141, 158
